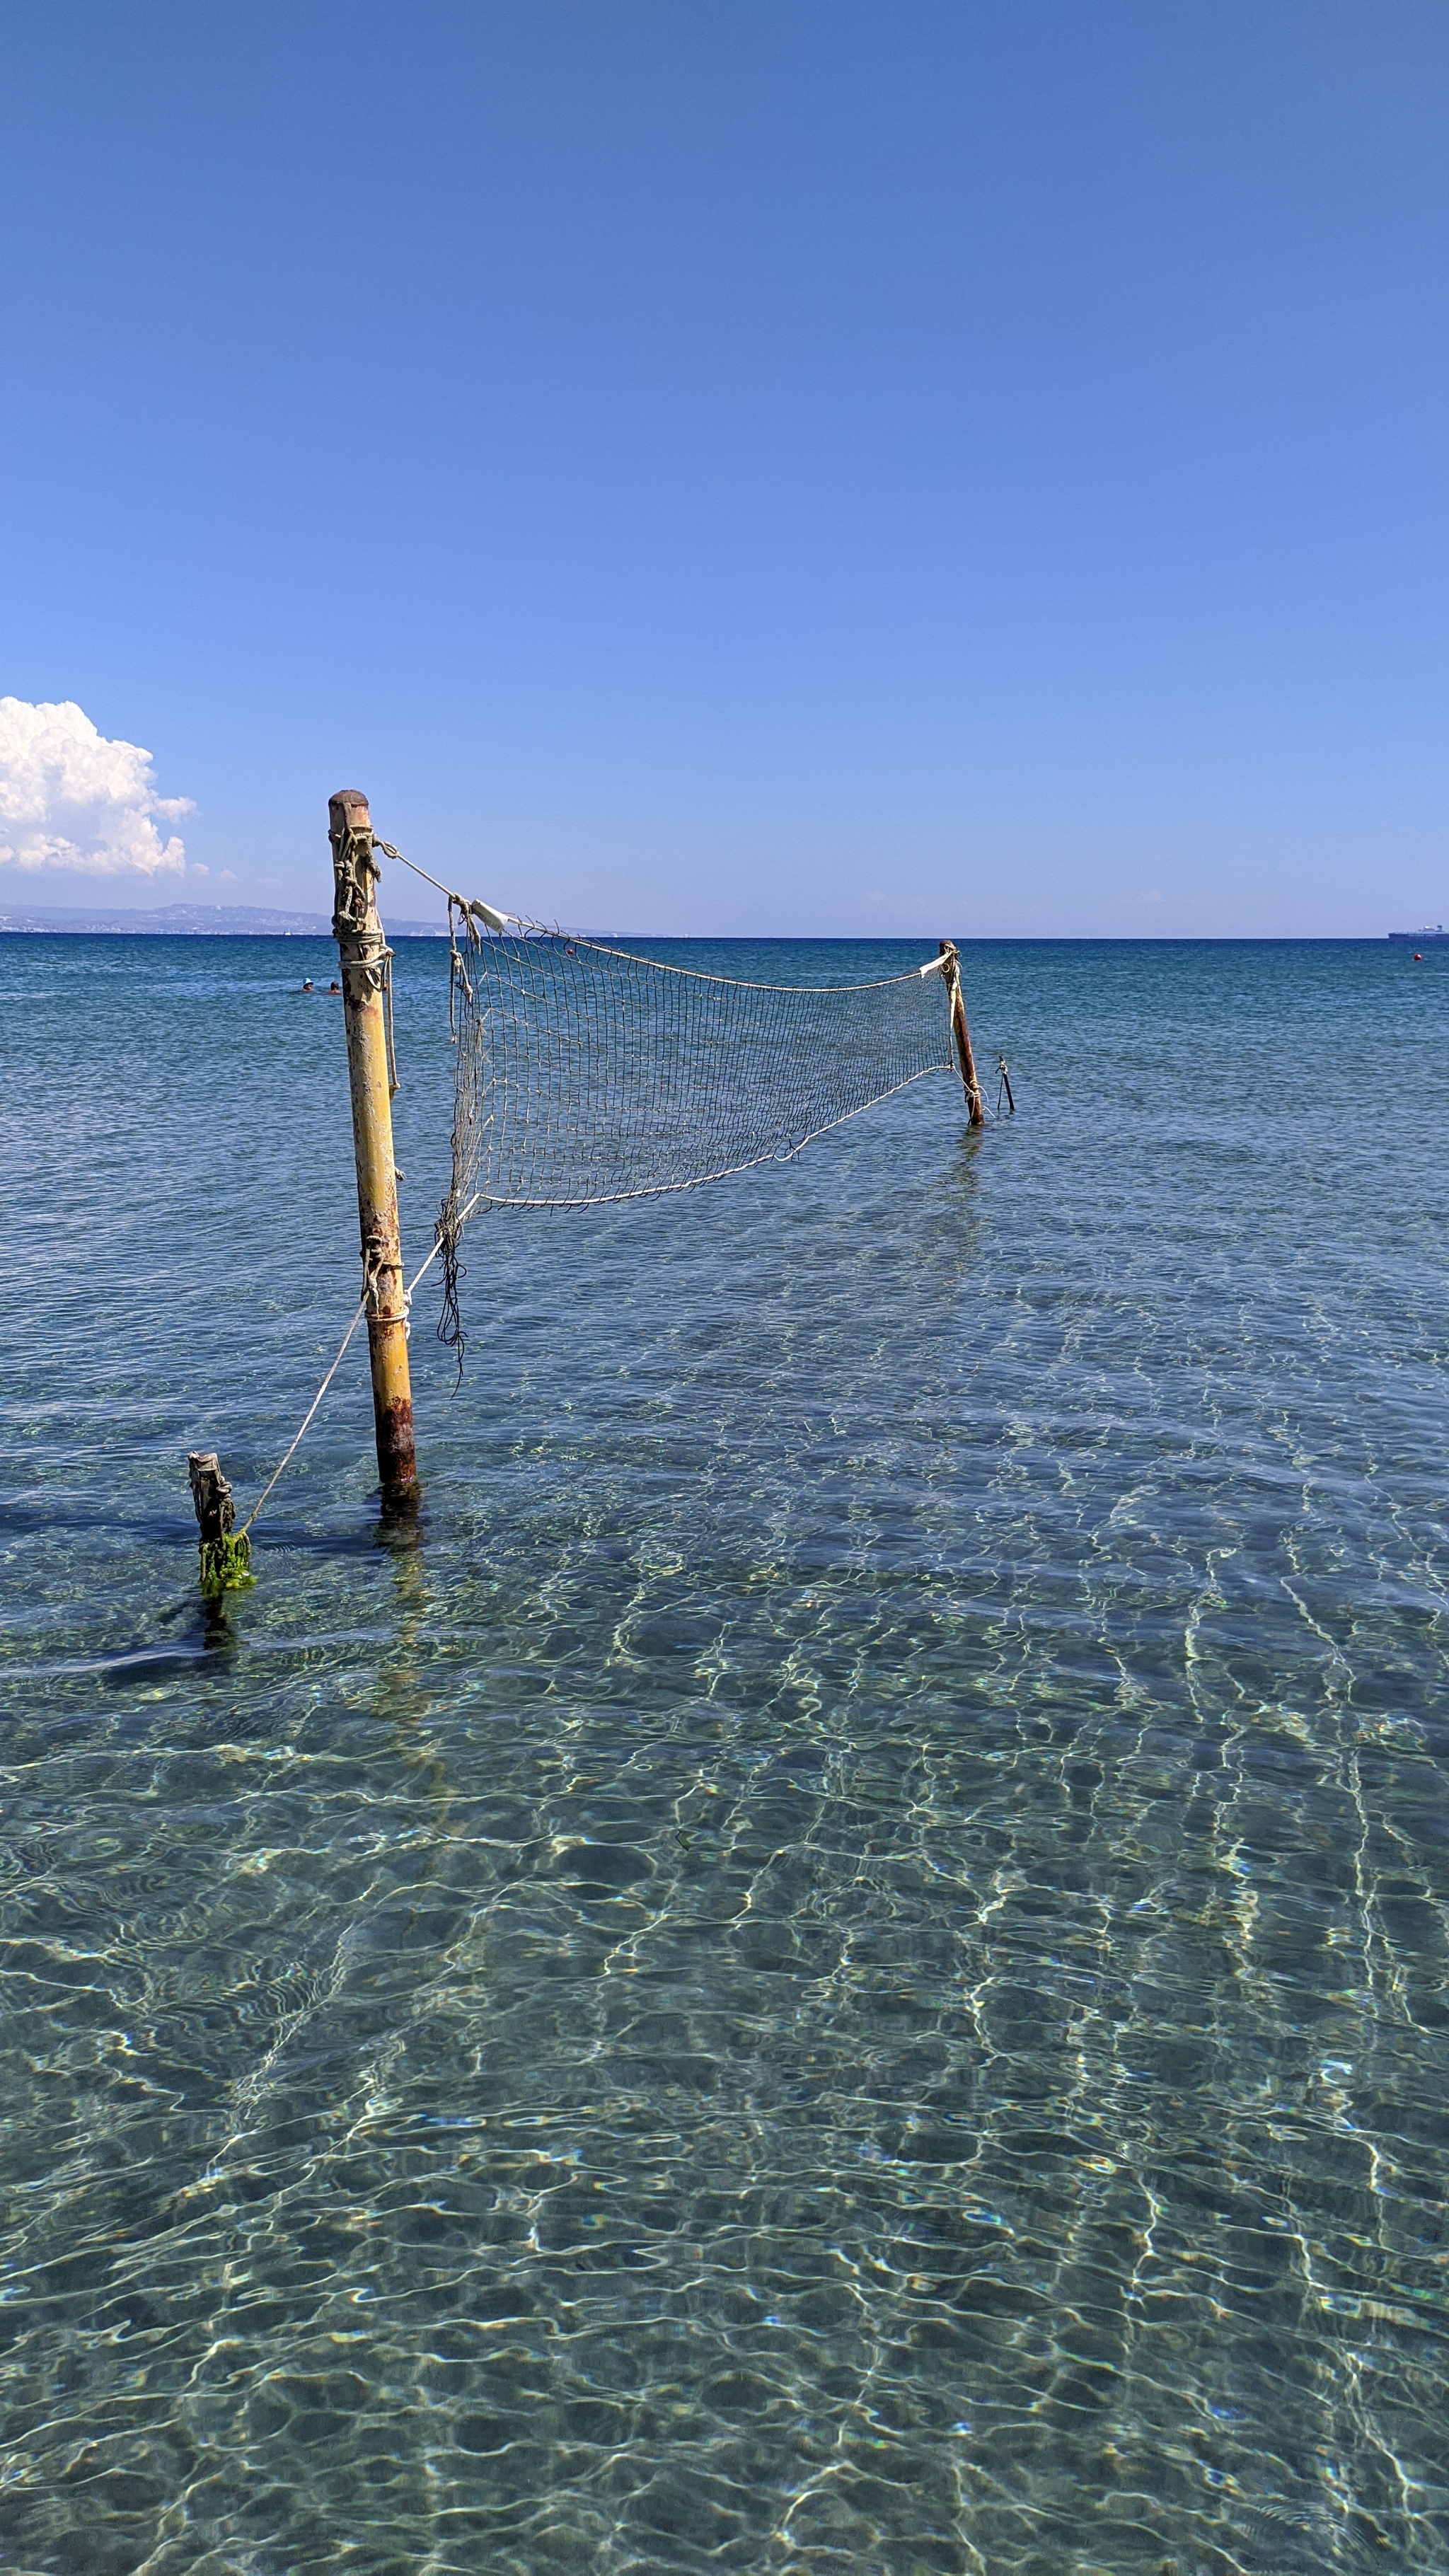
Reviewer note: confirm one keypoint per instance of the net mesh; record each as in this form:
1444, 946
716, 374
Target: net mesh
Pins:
587, 1074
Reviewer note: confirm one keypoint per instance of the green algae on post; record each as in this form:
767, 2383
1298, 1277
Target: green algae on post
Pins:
226, 1552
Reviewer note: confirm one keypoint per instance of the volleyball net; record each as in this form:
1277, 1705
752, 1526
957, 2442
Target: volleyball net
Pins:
588, 1074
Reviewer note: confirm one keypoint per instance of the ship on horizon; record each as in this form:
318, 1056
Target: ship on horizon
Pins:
1433, 935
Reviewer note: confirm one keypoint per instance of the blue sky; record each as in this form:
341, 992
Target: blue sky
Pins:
785, 467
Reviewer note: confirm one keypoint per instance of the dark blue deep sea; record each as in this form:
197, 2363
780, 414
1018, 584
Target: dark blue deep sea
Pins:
836, 1967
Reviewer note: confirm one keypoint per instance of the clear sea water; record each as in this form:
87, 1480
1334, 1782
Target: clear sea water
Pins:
837, 1966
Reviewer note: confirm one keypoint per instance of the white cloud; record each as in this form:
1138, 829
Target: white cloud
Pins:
70, 800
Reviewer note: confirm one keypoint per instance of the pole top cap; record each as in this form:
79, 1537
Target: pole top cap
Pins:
348, 811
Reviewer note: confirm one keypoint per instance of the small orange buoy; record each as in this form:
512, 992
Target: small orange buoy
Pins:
1418, 957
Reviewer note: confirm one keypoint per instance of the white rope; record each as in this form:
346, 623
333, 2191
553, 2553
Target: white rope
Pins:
307, 1416
495, 919
306, 1420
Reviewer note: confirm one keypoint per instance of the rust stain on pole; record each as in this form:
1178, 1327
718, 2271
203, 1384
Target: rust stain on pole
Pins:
967, 1061
366, 1001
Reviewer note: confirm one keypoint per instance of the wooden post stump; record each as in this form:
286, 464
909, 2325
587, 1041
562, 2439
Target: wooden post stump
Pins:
225, 1559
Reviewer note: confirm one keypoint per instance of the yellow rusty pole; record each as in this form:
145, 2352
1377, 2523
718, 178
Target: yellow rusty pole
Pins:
366, 1010
964, 1054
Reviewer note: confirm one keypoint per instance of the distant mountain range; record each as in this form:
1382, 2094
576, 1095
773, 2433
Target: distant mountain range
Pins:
202, 921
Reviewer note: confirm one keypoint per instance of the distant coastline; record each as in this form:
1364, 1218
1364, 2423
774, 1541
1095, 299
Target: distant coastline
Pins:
200, 921
257, 921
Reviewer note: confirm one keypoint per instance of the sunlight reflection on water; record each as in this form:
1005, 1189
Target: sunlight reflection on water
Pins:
838, 1964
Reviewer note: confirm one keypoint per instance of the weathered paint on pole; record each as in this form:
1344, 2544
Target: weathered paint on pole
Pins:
967, 1061
366, 1008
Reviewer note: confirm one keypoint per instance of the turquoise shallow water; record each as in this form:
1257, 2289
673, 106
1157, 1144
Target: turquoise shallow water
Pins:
839, 1964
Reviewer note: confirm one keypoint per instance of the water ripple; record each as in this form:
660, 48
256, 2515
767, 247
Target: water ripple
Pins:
842, 1966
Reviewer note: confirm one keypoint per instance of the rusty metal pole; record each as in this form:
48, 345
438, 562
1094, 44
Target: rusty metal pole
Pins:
366, 1010
967, 1061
